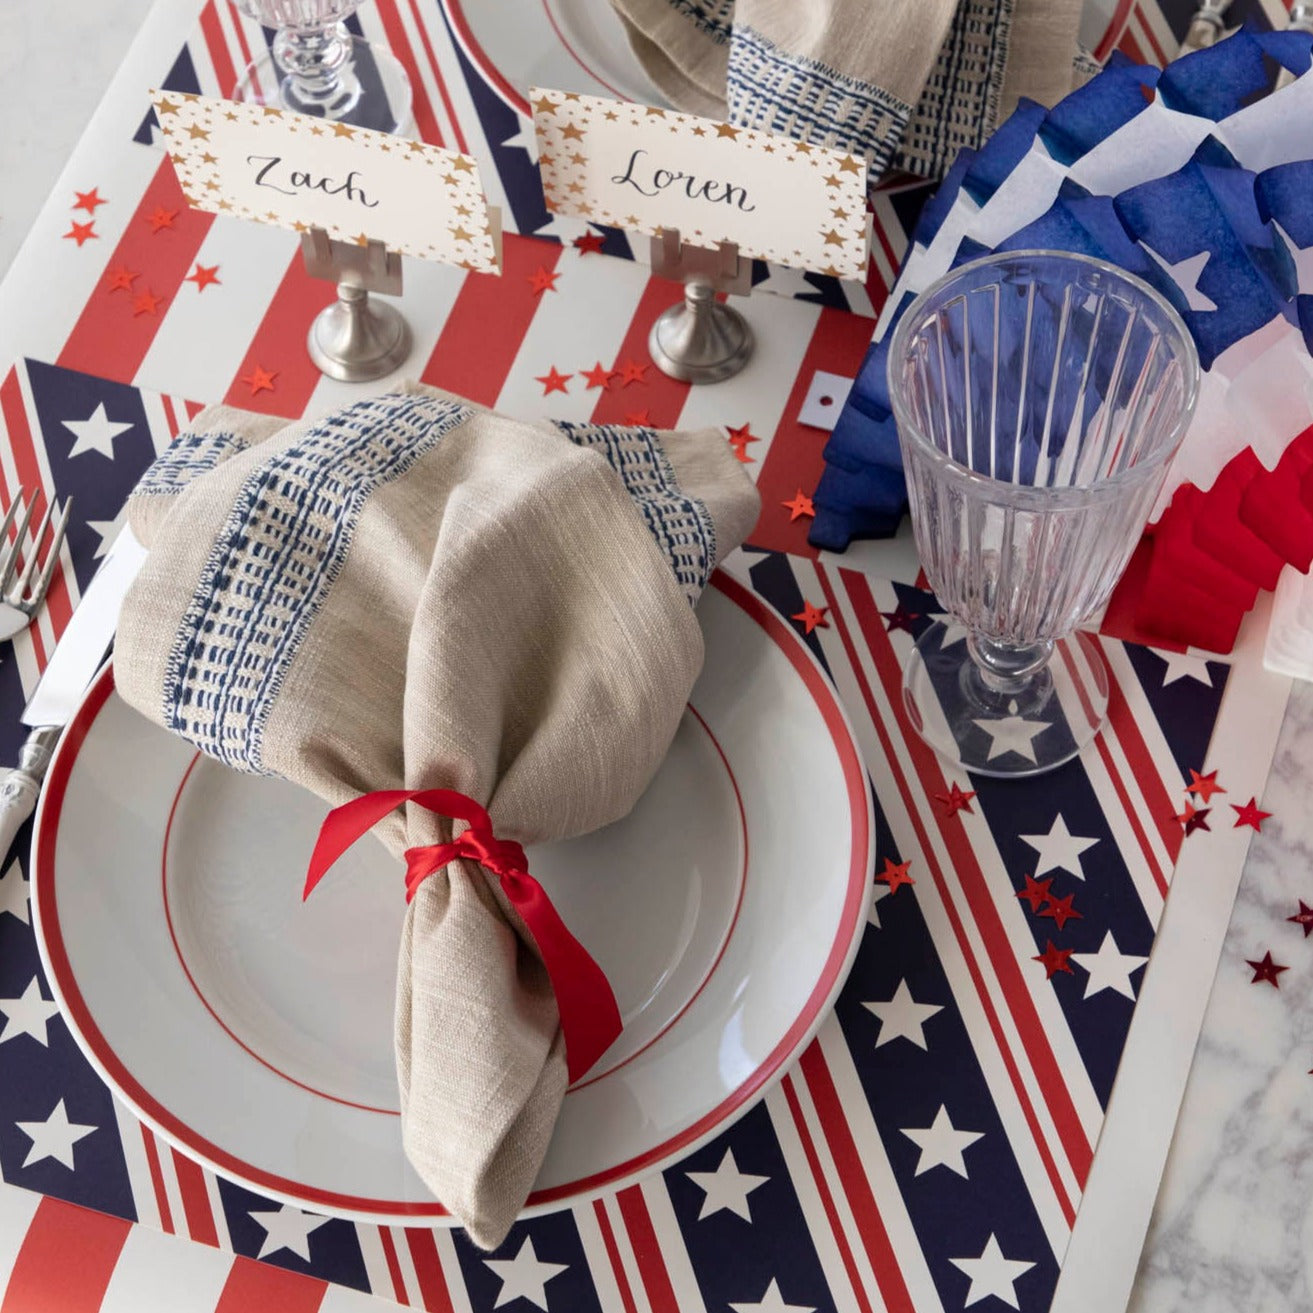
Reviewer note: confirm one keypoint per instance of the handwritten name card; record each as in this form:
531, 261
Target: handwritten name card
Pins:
299, 172
646, 169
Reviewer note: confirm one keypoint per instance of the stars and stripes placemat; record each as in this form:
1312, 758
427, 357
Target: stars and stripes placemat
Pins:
932, 1149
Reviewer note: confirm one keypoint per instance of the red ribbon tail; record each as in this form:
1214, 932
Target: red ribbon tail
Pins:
590, 1016
344, 825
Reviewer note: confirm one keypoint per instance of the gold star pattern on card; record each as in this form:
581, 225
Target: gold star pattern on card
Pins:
544, 105
462, 164
361, 239
801, 148
341, 130
849, 165
572, 132
163, 106
724, 130
832, 238
461, 235
198, 133
653, 112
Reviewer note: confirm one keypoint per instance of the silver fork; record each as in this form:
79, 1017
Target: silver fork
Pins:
22, 593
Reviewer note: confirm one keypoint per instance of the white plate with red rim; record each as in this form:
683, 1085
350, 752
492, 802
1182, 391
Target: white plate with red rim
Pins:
254, 1031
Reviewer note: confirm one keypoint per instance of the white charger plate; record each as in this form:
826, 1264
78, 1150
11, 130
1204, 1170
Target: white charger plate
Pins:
254, 1031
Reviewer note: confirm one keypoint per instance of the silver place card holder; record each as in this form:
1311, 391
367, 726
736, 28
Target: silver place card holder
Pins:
355, 339
701, 340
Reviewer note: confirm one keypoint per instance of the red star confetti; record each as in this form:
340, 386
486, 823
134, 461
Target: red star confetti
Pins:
588, 243
88, 200
895, 875
1303, 917
1204, 786
739, 439
899, 618
160, 218
204, 275
631, 371
599, 376
800, 505
956, 800
1061, 910
639, 417
1193, 818
146, 303
541, 281
553, 380
81, 232
812, 617
260, 379
1055, 959
1266, 970
1249, 814
120, 280
1036, 892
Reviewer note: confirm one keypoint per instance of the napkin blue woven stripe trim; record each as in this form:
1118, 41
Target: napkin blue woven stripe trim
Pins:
189, 455
680, 525
775, 91
715, 18
274, 562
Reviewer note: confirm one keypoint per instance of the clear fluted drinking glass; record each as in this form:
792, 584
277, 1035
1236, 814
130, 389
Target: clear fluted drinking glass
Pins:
1039, 398
314, 65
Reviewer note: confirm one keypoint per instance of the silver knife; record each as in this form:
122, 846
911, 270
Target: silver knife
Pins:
77, 656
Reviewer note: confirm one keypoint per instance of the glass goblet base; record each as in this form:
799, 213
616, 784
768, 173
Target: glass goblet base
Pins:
1037, 724
372, 91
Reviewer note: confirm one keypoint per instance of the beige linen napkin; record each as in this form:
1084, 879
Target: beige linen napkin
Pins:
415, 593
906, 83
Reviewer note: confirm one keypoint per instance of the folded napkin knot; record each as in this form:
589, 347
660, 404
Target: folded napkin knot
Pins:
590, 1017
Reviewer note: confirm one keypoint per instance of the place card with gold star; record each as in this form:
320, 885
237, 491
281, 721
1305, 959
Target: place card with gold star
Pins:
647, 169
300, 172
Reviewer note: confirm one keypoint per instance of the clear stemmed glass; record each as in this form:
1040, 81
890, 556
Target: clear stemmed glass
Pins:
315, 66
1039, 398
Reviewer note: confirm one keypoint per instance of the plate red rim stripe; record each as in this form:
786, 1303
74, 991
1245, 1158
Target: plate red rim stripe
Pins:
461, 29
1007, 969
852, 919
66, 1260
973, 968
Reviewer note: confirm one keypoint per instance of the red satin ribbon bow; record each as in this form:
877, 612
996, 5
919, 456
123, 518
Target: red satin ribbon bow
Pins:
590, 1019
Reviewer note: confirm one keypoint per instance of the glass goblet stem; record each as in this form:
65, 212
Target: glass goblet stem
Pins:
319, 66
1008, 668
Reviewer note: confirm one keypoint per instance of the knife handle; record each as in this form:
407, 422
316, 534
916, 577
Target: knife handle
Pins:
20, 787
18, 794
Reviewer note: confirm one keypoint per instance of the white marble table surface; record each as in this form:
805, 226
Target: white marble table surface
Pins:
1233, 1227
